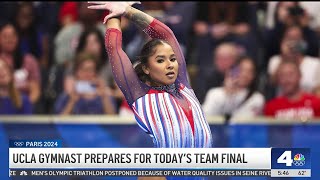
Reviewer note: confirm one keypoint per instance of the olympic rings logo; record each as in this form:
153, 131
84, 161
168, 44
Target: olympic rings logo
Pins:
298, 163
19, 144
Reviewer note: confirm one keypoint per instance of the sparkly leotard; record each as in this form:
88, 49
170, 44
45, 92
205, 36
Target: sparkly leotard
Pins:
171, 115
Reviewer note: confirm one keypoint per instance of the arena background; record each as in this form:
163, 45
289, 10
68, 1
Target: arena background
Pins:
119, 131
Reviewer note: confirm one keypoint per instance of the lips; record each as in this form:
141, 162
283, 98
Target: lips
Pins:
170, 74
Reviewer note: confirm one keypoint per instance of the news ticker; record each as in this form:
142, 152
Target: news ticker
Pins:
160, 173
149, 173
28, 157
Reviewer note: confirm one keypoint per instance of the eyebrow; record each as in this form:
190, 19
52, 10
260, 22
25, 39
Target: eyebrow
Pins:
162, 56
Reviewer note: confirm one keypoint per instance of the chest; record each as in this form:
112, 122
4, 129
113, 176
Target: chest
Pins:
184, 103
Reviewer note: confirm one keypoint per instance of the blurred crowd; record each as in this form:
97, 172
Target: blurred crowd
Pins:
244, 58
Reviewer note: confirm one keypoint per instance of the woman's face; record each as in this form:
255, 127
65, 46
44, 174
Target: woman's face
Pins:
92, 45
86, 71
162, 66
246, 73
5, 75
8, 39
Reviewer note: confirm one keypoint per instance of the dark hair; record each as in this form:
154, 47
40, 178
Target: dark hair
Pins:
253, 85
17, 55
275, 15
83, 40
31, 33
147, 50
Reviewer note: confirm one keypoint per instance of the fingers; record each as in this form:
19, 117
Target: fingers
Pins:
98, 2
102, 6
133, 2
108, 17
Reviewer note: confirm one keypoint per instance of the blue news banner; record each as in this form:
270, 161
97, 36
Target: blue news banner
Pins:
285, 162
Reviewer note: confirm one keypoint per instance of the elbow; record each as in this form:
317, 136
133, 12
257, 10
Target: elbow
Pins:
167, 32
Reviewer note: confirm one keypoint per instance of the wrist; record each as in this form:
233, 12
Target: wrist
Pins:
125, 13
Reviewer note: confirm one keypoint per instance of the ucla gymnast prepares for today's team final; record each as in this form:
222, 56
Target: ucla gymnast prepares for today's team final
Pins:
157, 89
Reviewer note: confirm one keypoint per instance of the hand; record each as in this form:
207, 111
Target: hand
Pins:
230, 84
101, 88
115, 8
74, 97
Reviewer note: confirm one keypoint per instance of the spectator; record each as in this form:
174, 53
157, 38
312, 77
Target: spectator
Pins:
311, 7
67, 38
68, 13
12, 102
288, 14
293, 48
224, 57
92, 41
76, 19
293, 102
32, 39
219, 22
238, 96
26, 68
87, 93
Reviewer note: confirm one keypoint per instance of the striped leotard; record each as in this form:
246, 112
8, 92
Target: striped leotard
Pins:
172, 119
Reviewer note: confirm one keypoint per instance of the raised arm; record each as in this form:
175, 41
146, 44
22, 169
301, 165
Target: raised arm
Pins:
156, 29
150, 25
122, 69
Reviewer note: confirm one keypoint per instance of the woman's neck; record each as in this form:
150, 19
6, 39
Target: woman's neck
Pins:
153, 84
8, 57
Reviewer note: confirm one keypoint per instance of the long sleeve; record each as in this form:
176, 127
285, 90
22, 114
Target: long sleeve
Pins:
122, 69
157, 29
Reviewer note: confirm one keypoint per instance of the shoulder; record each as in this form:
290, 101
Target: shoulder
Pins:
311, 60
217, 91
275, 58
275, 101
273, 63
258, 96
310, 96
217, 94
68, 32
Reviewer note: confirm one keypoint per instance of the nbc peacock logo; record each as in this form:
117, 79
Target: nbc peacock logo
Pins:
299, 160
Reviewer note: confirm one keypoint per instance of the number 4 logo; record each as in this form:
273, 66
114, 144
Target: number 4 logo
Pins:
285, 158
